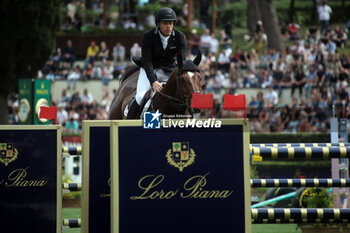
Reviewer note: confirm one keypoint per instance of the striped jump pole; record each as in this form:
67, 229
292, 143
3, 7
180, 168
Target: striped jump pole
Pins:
301, 145
73, 187
74, 150
301, 152
259, 183
305, 221
300, 213
72, 223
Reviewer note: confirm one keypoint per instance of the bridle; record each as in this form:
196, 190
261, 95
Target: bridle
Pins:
184, 100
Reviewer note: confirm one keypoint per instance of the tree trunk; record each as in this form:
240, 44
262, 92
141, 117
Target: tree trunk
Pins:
4, 115
270, 22
314, 12
291, 10
253, 15
88, 4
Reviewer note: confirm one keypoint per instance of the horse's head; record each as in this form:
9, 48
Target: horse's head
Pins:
188, 78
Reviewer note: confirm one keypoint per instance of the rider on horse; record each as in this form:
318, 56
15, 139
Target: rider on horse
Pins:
160, 48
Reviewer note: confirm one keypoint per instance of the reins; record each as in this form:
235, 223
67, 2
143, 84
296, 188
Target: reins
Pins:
185, 101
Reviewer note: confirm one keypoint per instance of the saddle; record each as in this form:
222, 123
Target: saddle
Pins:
162, 74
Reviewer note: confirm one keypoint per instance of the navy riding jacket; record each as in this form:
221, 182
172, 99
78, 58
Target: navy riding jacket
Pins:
154, 56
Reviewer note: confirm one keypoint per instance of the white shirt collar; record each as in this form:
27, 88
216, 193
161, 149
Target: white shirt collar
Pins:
164, 40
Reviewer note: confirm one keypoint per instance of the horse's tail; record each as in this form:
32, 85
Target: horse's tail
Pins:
129, 71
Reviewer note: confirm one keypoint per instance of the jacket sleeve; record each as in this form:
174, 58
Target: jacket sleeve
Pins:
147, 58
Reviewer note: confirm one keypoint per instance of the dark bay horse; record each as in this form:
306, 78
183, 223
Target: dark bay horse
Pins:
175, 97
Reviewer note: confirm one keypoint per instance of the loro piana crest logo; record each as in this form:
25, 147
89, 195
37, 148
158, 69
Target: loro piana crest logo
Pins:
8, 153
180, 155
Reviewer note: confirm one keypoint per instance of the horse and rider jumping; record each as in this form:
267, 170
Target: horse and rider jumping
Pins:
162, 47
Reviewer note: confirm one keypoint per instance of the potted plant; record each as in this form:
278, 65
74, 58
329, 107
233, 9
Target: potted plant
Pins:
317, 198
70, 199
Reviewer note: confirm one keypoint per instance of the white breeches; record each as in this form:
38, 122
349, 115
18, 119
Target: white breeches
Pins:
143, 85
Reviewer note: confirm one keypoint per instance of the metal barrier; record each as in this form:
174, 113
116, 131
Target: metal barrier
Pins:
72, 223
72, 150
300, 213
277, 215
258, 183
301, 152
301, 145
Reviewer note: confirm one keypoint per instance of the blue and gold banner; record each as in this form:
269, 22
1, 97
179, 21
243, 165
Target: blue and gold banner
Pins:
180, 179
96, 177
30, 179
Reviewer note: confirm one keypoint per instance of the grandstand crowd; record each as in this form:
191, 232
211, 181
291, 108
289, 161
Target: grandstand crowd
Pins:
310, 68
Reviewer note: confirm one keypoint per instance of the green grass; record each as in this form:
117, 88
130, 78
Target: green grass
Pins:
68, 213
256, 228
275, 228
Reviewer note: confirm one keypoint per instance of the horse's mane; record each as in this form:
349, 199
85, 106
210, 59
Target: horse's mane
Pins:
171, 83
129, 71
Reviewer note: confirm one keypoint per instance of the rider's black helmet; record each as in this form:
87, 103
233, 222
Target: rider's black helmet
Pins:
165, 14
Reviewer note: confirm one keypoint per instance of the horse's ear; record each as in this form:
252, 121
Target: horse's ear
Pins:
179, 61
198, 58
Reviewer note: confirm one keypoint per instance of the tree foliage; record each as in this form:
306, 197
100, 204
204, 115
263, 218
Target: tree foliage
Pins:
27, 31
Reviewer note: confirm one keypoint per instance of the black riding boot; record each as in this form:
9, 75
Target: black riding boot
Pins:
134, 110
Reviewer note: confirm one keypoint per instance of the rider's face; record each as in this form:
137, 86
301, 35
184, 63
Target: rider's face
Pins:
166, 27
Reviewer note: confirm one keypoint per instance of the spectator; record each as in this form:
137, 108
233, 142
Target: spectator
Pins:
340, 37
271, 98
324, 13
68, 54
343, 77
88, 72
74, 76
87, 97
65, 98
97, 72
254, 60
118, 53
265, 78
299, 82
62, 114
92, 53
71, 10
293, 29
223, 62
250, 79
149, 20
135, 50
129, 24
286, 82
214, 44
225, 42
331, 47
72, 126
205, 42
107, 73
312, 34
104, 52
51, 76
194, 42
284, 31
